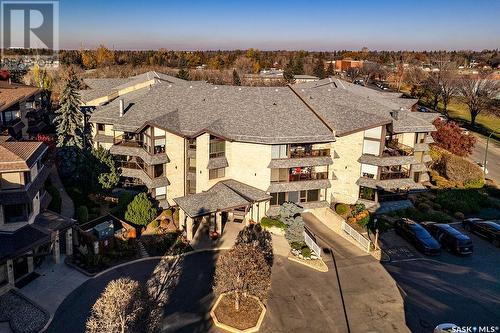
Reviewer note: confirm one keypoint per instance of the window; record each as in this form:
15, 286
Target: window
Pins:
16, 213
366, 193
279, 175
159, 146
216, 173
371, 147
279, 151
158, 170
217, 147
312, 195
101, 128
160, 193
278, 198
420, 138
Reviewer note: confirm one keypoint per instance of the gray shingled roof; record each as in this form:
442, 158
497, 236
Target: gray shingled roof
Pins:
235, 113
390, 184
103, 138
248, 192
299, 186
217, 163
100, 87
219, 197
387, 160
297, 162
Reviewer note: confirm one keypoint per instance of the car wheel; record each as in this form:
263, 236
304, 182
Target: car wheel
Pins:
496, 242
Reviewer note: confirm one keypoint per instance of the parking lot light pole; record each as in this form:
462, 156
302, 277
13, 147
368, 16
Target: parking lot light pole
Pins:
487, 145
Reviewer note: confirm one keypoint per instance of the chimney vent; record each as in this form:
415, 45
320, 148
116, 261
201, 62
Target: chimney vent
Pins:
395, 114
122, 108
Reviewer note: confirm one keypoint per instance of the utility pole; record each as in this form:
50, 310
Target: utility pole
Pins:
487, 146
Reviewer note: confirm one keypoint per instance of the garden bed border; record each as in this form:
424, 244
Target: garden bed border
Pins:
234, 329
323, 268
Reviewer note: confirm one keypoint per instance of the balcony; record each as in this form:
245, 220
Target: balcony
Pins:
308, 176
131, 145
304, 151
403, 173
395, 148
128, 141
148, 175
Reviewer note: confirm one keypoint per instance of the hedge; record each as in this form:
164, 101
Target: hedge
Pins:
267, 222
465, 201
342, 209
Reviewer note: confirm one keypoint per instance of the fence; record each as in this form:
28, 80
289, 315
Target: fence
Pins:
362, 241
312, 244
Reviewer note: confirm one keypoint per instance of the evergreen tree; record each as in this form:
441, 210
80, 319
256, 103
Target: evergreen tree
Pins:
236, 78
298, 66
319, 69
183, 74
69, 119
288, 73
330, 71
140, 211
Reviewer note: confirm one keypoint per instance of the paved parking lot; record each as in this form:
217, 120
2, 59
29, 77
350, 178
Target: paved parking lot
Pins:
464, 290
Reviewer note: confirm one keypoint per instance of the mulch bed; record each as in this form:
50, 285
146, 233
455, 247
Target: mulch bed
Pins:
22, 315
246, 317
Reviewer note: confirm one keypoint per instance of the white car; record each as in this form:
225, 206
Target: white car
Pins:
446, 328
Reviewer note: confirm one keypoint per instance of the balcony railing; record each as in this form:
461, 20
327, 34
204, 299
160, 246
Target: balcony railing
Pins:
148, 170
395, 175
303, 177
395, 148
301, 153
128, 141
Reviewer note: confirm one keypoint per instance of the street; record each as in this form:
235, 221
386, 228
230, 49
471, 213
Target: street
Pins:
493, 156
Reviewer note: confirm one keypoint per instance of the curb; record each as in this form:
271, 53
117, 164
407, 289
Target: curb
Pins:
133, 262
322, 269
18, 293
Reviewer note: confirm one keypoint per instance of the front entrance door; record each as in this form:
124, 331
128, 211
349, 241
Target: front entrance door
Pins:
20, 267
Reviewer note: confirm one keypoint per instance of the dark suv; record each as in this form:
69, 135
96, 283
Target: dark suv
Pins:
418, 236
487, 229
449, 237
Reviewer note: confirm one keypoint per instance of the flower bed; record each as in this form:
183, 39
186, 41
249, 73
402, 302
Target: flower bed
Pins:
23, 316
247, 319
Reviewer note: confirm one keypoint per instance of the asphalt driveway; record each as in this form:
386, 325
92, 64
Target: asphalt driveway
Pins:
464, 290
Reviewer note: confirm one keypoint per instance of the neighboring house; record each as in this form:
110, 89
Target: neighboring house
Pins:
21, 112
28, 232
228, 151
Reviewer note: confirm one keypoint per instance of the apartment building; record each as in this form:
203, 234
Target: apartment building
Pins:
28, 232
228, 152
21, 111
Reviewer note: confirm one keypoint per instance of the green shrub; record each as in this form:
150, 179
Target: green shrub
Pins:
298, 245
155, 224
140, 211
465, 201
342, 209
493, 191
424, 207
436, 206
358, 208
267, 222
419, 216
306, 252
364, 221
123, 201
82, 214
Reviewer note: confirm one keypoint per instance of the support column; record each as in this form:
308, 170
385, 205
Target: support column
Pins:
56, 254
69, 242
218, 222
29, 259
10, 271
189, 228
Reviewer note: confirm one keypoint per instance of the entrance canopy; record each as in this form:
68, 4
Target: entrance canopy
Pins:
223, 196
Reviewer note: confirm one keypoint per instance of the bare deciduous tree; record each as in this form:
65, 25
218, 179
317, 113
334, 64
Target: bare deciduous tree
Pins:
416, 78
126, 306
244, 271
353, 73
449, 88
478, 92
259, 238
118, 308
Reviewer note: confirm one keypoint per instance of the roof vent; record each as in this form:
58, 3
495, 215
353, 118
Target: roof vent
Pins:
216, 88
276, 90
274, 103
170, 86
395, 114
302, 90
239, 89
190, 86
122, 107
329, 89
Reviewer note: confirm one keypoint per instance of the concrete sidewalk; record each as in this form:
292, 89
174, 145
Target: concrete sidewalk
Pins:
56, 281
67, 205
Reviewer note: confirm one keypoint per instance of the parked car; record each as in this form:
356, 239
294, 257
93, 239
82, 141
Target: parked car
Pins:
418, 236
487, 229
361, 82
423, 109
446, 328
449, 237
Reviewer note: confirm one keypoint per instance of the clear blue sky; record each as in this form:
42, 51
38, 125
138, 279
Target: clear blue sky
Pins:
282, 24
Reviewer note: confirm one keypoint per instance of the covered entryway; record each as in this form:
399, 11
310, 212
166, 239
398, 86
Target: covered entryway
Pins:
226, 201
